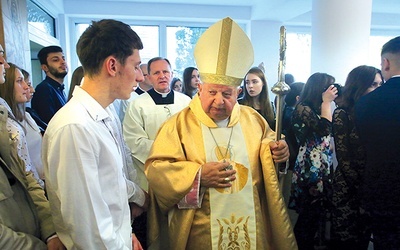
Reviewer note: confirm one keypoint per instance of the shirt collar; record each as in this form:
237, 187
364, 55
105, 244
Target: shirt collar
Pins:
161, 98
55, 84
163, 95
95, 110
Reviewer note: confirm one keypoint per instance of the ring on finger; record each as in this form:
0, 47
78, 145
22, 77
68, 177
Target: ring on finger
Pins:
227, 179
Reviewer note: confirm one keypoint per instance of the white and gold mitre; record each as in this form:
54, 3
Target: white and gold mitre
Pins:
224, 53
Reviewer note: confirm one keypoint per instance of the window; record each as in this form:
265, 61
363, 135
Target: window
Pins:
40, 19
298, 54
148, 34
180, 47
375, 47
151, 41
178, 43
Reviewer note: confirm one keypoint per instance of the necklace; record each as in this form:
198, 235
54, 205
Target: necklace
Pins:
227, 148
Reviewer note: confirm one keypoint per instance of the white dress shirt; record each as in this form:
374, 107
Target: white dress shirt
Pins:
85, 180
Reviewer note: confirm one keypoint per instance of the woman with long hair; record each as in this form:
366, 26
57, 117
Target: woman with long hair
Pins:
23, 129
176, 84
76, 80
349, 227
312, 126
41, 124
191, 78
256, 95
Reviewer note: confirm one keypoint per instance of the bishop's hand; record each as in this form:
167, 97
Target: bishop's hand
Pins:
279, 150
217, 175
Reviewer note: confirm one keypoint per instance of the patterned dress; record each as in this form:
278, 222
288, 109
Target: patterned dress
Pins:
310, 182
312, 167
347, 222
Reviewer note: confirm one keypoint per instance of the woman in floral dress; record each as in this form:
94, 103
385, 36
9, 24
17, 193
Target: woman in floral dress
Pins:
312, 127
349, 226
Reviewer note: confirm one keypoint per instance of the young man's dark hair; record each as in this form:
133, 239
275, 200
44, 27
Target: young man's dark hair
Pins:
393, 46
43, 53
289, 79
96, 44
295, 90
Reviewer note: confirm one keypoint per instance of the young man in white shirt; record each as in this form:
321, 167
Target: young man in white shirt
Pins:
86, 170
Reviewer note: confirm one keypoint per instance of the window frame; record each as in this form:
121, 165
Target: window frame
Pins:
161, 24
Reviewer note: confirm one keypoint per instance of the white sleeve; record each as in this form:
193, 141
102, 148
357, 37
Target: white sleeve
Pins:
135, 193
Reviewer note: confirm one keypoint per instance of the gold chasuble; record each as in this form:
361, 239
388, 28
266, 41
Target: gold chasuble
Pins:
249, 215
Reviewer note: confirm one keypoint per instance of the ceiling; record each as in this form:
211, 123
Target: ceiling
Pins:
385, 13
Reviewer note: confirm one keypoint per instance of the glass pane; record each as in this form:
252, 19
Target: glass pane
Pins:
148, 34
151, 41
40, 19
375, 47
80, 28
298, 56
180, 45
